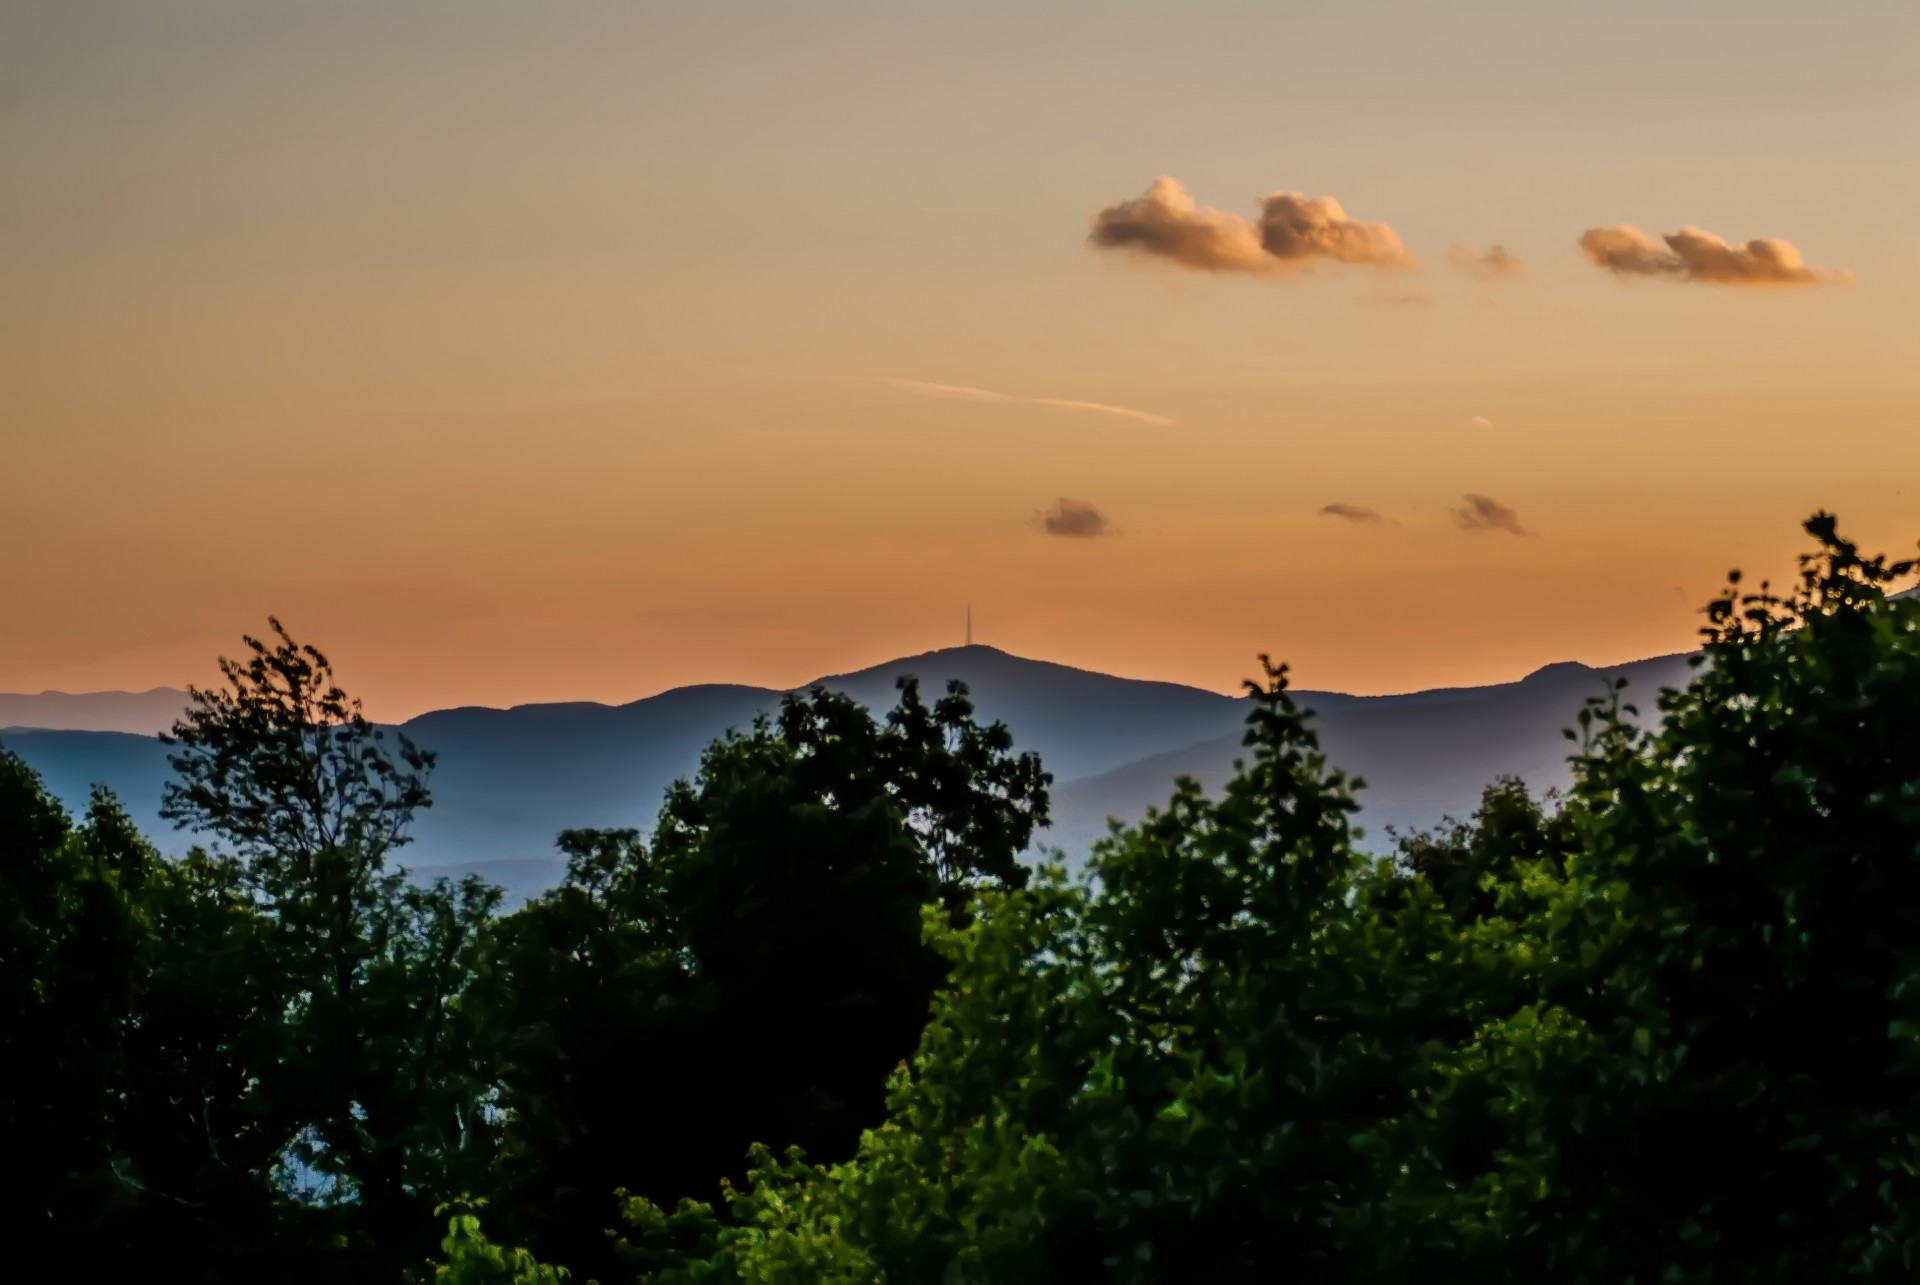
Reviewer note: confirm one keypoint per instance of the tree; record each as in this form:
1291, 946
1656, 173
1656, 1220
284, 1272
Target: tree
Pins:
205, 1030
1468, 863
67, 947
471, 1259
754, 974
371, 1087
1153, 1074
1664, 1032
1738, 936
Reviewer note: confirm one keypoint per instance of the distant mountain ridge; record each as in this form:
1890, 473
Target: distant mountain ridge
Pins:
1422, 755
508, 780
1043, 690
143, 712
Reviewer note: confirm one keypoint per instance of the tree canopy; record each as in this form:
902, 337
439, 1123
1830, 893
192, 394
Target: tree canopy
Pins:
757, 971
822, 1021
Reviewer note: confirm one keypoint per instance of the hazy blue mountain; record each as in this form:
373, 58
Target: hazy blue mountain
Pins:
143, 712
1080, 722
509, 780
1422, 755
72, 762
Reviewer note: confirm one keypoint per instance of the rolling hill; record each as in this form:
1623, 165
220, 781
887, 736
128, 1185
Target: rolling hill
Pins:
509, 780
1423, 755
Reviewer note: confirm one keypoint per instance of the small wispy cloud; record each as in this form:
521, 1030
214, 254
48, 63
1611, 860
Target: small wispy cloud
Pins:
1358, 514
1481, 422
1693, 254
1392, 302
1294, 232
1073, 518
1495, 265
954, 392
1484, 513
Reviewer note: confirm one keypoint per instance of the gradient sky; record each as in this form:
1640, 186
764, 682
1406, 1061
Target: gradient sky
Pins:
516, 351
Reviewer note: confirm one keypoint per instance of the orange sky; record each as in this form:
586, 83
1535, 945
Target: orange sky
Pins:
521, 353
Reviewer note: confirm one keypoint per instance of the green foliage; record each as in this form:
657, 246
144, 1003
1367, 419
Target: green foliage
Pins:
1468, 863
67, 947
327, 988
1663, 1032
1161, 1069
191, 1126
1742, 922
762, 961
471, 1259
1664, 1028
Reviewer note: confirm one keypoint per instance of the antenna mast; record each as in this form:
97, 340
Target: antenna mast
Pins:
969, 624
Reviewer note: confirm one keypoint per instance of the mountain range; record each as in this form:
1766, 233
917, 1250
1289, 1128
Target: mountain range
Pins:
147, 712
508, 780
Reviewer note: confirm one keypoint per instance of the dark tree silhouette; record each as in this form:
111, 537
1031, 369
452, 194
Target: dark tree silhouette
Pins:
371, 1080
756, 973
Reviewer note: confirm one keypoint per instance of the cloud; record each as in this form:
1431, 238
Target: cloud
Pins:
1074, 518
1164, 221
953, 392
1692, 254
1484, 513
1394, 302
1480, 422
1494, 265
1294, 228
1293, 232
1355, 513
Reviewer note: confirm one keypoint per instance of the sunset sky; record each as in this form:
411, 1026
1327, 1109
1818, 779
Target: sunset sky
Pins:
517, 351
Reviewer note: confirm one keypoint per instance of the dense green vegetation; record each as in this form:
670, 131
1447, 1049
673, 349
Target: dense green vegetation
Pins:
821, 1025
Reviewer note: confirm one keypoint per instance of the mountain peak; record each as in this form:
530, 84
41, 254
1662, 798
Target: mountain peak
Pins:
975, 651
974, 663
1559, 669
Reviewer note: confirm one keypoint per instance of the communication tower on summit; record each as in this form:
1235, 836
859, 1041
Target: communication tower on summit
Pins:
969, 624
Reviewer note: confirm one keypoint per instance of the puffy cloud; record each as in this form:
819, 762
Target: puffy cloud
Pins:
1164, 221
1355, 513
1494, 265
1628, 252
1292, 233
1692, 254
954, 392
1764, 262
1074, 518
1295, 228
1484, 513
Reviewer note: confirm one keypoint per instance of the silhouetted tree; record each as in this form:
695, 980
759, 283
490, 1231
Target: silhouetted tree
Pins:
759, 970
371, 1081
67, 948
